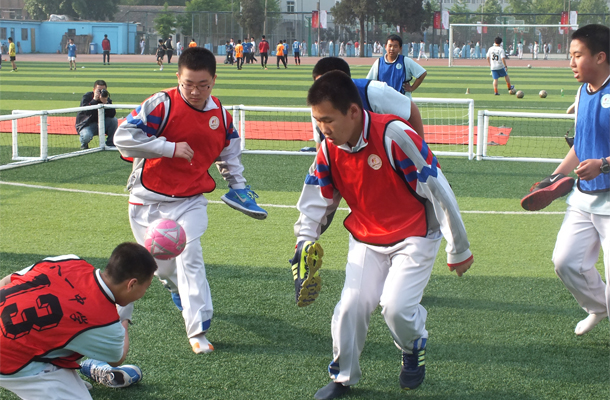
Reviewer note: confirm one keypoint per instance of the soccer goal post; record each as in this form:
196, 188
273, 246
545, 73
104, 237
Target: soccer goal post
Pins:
35, 136
521, 136
471, 41
448, 127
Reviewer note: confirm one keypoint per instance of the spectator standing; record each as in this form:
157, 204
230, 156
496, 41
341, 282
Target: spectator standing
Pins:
142, 46
536, 50
178, 48
422, 50
279, 52
106, 49
169, 49
397, 70
263, 48
12, 53
192, 43
87, 122
71, 47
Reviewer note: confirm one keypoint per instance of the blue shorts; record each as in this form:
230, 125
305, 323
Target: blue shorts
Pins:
498, 73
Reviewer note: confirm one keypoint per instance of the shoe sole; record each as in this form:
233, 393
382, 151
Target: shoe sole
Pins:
239, 207
310, 289
541, 198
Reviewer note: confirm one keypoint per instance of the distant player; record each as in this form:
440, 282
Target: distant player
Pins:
174, 137
394, 226
160, 54
496, 58
71, 47
397, 70
12, 54
61, 309
586, 225
239, 54
520, 50
296, 50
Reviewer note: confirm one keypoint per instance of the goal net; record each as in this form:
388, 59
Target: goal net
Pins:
28, 137
520, 40
539, 137
448, 127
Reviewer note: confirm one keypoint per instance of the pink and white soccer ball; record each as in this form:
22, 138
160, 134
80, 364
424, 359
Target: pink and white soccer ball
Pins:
165, 239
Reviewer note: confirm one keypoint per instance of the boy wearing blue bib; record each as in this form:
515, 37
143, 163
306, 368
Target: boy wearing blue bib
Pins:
586, 226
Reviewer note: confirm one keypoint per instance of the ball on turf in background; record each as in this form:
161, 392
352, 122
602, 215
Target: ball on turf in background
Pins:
165, 239
529, 65
543, 94
512, 91
520, 94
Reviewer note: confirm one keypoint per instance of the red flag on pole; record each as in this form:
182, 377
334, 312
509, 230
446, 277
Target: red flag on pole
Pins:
437, 20
314, 19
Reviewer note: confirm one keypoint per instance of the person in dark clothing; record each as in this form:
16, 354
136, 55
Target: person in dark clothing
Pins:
169, 49
87, 121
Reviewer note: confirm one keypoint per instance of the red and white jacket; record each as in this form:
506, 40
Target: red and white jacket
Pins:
392, 184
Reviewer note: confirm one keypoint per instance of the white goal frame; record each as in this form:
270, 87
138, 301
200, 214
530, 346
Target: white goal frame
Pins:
451, 26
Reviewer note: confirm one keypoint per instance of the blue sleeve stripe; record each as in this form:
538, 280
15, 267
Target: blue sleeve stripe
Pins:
428, 171
325, 181
424, 150
154, 119
311, 180
322, 168
404, 164
140, 125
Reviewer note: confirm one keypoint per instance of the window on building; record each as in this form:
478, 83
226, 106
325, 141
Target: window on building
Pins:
290, 6
24, 33
3, 33
71, 32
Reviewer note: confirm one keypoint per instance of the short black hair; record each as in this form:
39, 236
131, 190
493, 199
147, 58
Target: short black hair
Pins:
197, 59
595, 37
128, 261
10, 38
337, 88
100, 82
328, 64
498, 40
394, 38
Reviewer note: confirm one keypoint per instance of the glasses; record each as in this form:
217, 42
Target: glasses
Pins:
200, 88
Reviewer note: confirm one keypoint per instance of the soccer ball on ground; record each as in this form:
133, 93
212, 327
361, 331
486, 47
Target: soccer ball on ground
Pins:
165, 239
520, 94
529, 65
512, 91
543, 94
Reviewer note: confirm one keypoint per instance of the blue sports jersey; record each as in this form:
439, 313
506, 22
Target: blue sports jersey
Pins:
362, 86
285, 48
393, 73
247, 47
592, 137
72, 50
296, 47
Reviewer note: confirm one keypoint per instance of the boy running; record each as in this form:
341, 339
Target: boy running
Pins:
160, 54
496, 58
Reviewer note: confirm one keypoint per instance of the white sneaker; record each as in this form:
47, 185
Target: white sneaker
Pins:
589, 323
161, 69
201, 345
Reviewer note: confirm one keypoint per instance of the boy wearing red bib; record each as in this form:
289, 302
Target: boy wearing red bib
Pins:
173, 138
401, 206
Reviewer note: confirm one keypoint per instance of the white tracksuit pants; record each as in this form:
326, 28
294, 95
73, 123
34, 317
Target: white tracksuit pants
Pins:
577, 251
393, 277
185, 274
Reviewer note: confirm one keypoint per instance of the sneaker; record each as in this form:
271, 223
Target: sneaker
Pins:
306, 265
544, 192
113, 377
331, 391
244, 200
589, 323
413, 369
497, 94
161, 69
177, 300
84, 146
201, 345
511, 87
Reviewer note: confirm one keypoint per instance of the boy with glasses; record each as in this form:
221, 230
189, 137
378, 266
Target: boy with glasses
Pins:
172, 140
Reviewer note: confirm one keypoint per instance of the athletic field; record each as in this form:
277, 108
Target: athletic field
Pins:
502, 331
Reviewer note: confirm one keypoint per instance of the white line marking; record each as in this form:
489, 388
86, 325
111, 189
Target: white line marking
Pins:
266, 205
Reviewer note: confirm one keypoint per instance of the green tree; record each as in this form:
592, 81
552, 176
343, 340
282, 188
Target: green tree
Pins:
411, 15
459, 13
185, 20
350, 12
100, 10
151, 2
251, 16
548, 6
165, 23
599, 9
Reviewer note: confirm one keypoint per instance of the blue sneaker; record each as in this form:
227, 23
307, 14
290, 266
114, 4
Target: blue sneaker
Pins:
244, 200
413, 369
177, 301
113, 377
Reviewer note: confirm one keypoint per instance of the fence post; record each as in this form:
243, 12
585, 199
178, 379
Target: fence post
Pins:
44, 138
480, 115
101, 125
